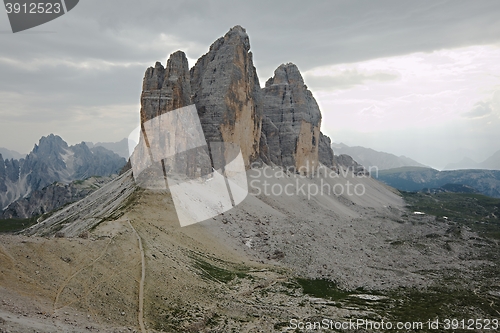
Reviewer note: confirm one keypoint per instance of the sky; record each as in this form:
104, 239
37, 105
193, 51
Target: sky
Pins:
413, 78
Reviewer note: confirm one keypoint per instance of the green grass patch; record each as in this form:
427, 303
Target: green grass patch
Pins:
322, 288
213, 272
478, 212
439, 302
15, 225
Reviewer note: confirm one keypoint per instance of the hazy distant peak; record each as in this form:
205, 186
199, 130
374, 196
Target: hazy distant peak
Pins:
371, 158
120, 147
465, 163
491, 163
8, 154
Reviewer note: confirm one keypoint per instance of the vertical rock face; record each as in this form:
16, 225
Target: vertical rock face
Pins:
279, 124
226, 92
325, 152
165, 89
11, 168
270, 150
291, 107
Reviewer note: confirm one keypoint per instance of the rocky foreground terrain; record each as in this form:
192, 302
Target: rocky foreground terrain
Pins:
118, 260
252, 269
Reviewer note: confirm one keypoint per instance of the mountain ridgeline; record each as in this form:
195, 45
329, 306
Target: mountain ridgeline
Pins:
374, 160
279, 124
52, 161
486, 182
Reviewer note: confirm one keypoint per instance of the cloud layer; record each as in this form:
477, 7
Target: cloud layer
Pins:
80, 75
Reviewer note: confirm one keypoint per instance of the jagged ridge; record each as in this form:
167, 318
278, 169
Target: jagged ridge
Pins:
52, 160
278, 124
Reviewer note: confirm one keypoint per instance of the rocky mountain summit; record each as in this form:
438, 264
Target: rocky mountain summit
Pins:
50, 161
279, 124
293, 111
227, 94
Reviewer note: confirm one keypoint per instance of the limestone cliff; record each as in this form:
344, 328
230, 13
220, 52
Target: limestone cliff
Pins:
279, 124
165, 89
325, 152
291, 107
226, 92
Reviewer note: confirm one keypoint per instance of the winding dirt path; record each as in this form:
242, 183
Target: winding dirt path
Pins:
141, 283
69, 278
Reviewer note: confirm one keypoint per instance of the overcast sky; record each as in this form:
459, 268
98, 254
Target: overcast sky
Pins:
414, 78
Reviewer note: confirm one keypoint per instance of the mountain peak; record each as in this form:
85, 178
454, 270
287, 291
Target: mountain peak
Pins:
51, 138
177, 63
238, 29
291, 107
235, 36
238, 33
286, 74
224, 86
52, 160
50, 144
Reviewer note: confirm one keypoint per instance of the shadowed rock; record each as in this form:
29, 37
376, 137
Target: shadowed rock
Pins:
291, 107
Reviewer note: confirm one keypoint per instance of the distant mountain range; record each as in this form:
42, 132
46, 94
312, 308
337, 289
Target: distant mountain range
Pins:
491, 163
52, 160
486, 182
370, 158
52, 197
9, 154
455, 188
120, 147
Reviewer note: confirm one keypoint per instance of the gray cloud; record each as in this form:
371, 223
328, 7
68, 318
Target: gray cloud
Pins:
480, 110
96, 56
347, 79
323, 32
